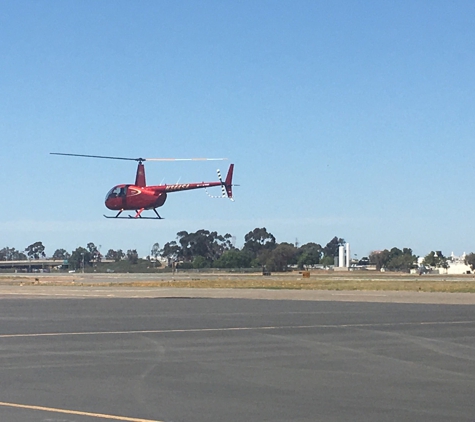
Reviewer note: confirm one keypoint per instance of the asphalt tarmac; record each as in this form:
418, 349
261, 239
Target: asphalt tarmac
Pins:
202, 359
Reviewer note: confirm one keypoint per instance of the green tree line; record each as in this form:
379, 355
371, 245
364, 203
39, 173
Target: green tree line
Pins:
209, 249
201, 249
205, 249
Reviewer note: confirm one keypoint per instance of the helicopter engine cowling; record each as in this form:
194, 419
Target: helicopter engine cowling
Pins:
161, 198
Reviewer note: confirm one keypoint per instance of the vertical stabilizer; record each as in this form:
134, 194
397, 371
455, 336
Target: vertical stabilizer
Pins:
228, 183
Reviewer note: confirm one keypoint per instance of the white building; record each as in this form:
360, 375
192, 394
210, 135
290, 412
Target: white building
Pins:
344, 258
456, 265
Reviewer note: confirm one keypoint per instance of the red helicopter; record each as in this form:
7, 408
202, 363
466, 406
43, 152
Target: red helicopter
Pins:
139, 197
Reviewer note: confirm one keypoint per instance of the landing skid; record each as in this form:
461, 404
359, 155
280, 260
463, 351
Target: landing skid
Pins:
137, 216
131, 217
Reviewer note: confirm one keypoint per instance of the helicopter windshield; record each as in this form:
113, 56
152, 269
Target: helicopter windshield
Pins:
116, 192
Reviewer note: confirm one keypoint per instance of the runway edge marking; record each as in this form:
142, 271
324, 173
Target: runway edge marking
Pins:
261, 328
75, 412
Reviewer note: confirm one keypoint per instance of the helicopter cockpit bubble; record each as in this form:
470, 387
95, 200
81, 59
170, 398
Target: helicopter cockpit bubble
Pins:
114, 192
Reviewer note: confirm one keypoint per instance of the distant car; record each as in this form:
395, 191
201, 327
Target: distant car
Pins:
71, 271
364, 261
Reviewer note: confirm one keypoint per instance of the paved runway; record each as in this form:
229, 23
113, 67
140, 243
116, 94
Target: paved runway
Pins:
201, 359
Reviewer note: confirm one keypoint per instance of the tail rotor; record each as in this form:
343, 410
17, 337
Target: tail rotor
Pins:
226, 186
223, 188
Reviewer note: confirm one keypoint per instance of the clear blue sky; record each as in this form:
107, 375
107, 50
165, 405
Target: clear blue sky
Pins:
353, 119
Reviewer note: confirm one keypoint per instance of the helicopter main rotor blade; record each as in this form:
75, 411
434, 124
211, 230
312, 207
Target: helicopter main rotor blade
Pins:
184, 159
138, 159
98, 156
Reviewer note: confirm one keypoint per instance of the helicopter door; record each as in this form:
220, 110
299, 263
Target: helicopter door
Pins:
123, 195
